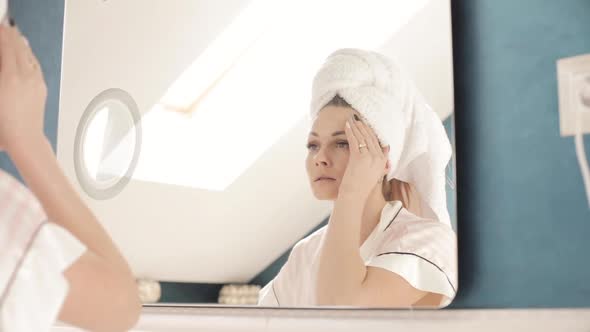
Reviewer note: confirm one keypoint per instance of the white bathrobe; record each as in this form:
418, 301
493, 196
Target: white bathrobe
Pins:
421, 251
34, 255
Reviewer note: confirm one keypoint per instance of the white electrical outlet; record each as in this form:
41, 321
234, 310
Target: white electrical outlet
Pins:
573, 76
3, 11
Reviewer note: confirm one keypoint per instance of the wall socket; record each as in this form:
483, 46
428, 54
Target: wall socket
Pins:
573, 79
4, 12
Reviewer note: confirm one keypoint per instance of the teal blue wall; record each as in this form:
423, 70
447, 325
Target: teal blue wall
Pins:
451, 187
524, 224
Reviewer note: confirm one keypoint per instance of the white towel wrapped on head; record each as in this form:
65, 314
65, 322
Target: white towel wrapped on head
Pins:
391, 104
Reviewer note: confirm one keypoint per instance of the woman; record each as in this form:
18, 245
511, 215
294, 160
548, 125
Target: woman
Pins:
56, 260
379, 153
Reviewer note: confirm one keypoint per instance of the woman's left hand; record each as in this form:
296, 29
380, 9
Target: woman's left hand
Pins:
367, 162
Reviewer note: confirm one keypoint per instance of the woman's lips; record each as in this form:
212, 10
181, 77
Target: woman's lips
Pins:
325, 178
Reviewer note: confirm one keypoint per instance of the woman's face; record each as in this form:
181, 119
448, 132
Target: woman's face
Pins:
327, 155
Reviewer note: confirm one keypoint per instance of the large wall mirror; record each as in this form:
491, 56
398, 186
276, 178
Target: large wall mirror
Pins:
210, 138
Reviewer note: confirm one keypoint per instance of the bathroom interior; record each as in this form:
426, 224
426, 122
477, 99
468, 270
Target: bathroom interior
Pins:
183, 127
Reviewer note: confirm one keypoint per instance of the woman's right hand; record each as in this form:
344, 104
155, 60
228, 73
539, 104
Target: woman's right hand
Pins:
366, 165
23, 91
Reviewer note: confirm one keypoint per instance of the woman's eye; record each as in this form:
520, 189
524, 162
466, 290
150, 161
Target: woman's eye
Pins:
342, 144
312, 146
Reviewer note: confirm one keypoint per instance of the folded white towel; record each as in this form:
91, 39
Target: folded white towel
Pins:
391, 104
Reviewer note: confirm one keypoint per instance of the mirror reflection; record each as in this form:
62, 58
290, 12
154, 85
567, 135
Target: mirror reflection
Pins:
100, 163
292, 154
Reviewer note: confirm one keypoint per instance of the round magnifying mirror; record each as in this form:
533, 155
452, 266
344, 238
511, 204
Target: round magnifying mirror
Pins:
107, 144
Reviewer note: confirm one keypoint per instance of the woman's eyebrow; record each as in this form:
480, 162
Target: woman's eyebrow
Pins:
336, 133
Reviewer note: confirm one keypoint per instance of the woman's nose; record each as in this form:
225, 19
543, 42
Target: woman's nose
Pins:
321, 158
